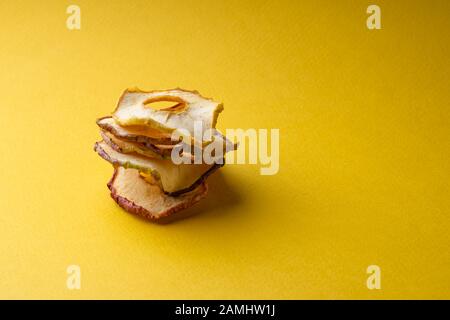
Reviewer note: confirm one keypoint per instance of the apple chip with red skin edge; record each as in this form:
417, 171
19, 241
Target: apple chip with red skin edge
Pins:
135, 195
134, 108
172, 178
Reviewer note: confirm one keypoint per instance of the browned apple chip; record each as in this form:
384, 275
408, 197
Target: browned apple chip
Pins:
134, 133
124, 146
161, 156
173, 179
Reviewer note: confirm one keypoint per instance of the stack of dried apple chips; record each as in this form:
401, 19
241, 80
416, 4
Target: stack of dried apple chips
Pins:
138, 141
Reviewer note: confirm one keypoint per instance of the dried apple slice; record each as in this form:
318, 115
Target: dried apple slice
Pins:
145, 149
217, 137
135, 108
173, 179
131, 147
136, 196
134, 133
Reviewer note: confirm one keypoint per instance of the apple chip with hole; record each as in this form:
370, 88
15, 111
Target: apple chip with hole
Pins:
187, 108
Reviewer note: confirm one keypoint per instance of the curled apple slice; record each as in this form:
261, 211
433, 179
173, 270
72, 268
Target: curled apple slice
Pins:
134, 108
139, 197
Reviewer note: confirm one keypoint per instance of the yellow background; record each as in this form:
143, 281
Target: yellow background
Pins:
364, 172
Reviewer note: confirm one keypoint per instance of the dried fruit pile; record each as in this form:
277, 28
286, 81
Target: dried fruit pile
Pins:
138, 142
